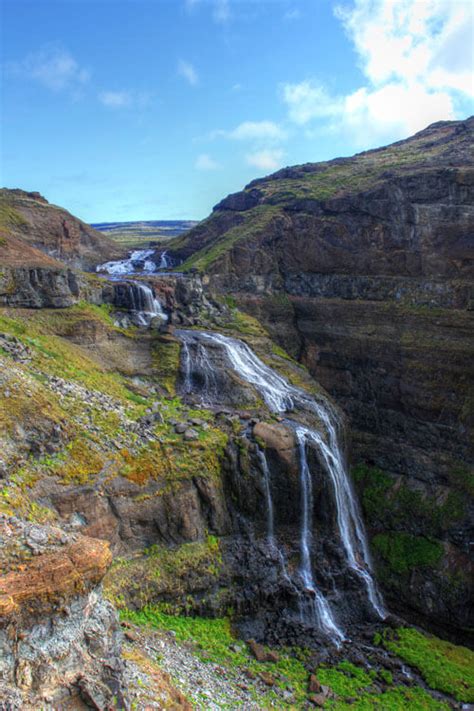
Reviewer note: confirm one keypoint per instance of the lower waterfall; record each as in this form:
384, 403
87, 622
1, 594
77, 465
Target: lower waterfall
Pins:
199, 376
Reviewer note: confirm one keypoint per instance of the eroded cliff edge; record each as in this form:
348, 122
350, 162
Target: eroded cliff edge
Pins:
362, 268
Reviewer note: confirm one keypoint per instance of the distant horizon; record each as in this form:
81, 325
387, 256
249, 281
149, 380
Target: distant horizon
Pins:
218, 93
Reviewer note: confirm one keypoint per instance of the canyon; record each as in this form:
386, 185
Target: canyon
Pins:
270, 441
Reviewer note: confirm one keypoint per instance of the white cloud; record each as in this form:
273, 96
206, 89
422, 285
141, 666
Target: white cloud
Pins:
115, 99
205, 162
268, 159
53, 67
220, 9
429, 41
256, 131
416, 56
187, 70
124, 99
308, 100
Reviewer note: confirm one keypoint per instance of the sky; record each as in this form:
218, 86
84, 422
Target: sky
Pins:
156, 109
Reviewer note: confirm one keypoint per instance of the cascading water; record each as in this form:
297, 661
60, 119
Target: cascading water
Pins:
144, 305
268, 496
139, 261
318, 606
165, 261
282, 397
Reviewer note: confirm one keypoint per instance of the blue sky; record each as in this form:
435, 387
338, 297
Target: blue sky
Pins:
156, 109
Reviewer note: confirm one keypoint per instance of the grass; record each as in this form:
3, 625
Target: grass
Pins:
215, 642
444, 666
166, 357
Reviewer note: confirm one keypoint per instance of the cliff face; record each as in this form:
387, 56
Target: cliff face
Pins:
363, 269
35, 233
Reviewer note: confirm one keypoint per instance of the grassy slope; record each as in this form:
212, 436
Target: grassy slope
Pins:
444, 666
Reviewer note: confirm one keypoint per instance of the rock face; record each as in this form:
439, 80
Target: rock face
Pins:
46, 287
363, 269
33, 232
59, 639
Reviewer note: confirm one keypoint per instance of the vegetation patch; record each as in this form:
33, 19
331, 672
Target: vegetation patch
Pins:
166, 356
166, 573
391, 504
254, 222
444, 666
215, 642
171, 458
402, 552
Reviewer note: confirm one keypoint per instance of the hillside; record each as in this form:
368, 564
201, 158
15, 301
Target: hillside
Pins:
363, 269
178, 525
35, 233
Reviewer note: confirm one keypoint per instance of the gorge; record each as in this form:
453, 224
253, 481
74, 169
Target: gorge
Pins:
252, 442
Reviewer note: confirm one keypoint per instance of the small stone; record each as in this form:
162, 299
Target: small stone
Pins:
257, 650
317, 700
272, 657
180, 428
190, 435
267, 678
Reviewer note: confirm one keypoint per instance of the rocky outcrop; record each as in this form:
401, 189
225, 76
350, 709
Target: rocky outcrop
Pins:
35, 233
59, 639
46, 287
362, 268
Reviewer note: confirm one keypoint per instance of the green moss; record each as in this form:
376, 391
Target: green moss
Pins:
389, 503
444, 666
172, 459
396, 699
166, 355
167, 573
345, 679
401, 552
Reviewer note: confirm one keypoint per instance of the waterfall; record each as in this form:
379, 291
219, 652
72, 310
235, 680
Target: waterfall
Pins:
282, 397
319, 608
268, 496
139, 260
144, 305
165, 261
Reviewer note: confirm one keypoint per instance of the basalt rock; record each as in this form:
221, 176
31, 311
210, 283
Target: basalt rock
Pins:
46, 287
